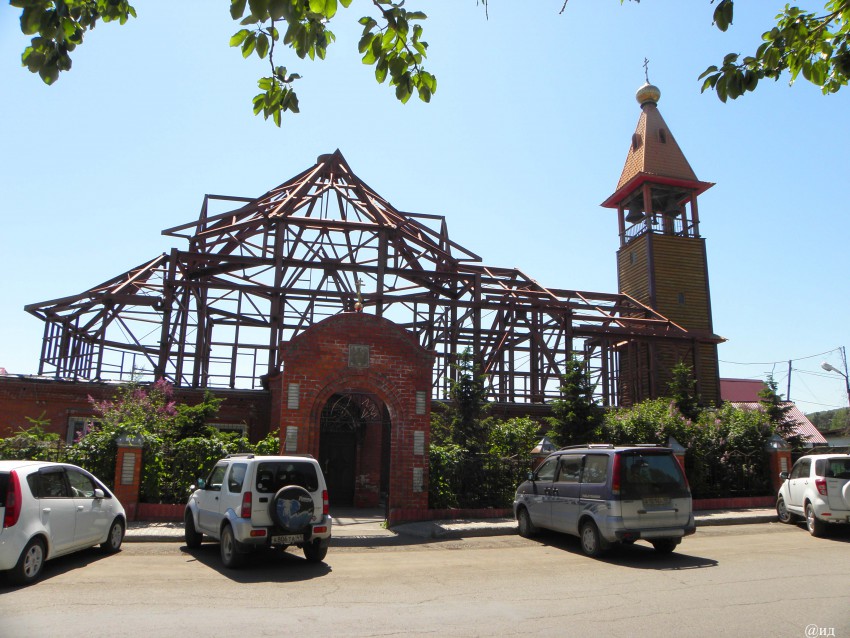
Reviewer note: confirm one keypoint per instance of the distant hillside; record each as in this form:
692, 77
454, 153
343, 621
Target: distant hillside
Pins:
830, 420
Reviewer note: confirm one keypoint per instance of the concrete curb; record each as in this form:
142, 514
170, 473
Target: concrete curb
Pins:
375, 534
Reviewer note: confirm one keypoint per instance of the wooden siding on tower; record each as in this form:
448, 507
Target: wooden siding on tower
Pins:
680, 268
633, 269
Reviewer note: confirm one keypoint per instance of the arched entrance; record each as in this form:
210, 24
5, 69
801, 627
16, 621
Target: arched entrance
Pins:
353, 427
355, 392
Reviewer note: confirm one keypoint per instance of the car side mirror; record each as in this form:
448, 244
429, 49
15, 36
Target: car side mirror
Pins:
98, 493
530, 476
784, 475
202, 484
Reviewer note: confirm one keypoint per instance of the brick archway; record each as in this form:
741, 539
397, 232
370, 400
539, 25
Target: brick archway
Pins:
355, 353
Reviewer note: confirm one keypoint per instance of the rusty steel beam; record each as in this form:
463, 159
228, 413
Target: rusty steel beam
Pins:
259, 275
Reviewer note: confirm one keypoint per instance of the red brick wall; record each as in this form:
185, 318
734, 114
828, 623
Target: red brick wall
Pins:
22, 397
398, 367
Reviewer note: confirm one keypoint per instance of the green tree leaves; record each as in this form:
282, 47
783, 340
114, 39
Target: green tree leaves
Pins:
59, 27
398, 51
575, 414
394, 44
388, 42
814, 45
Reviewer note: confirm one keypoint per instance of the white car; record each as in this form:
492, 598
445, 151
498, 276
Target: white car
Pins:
51, 509
818, 490
250, 502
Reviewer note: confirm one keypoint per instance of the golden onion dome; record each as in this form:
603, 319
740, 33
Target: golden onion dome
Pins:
648, 93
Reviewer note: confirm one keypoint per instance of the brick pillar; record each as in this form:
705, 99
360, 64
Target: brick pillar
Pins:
779, 457
128, 473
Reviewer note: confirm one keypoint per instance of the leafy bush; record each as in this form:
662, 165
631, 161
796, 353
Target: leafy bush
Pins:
31, 443
178, 447
651, 421
445, 465
514, 438
725, 447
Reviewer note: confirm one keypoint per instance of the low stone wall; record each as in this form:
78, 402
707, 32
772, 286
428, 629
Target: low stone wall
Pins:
163, 512
415, 515
159, 512
734, 503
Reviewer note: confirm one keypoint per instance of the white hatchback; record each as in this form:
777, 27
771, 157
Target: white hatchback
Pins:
51, 509
818, 490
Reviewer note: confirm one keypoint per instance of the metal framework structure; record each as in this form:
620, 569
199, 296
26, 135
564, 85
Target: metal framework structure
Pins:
265, 269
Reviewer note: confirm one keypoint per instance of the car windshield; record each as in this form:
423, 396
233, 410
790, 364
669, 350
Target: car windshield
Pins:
646, 475
273, 475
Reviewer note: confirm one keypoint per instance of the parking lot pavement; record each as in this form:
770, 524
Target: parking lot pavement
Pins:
369, 524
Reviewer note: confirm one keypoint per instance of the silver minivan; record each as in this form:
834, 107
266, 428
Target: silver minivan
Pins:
607, 494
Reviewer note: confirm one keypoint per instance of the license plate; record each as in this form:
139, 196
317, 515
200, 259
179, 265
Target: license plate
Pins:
287, 539
656, 501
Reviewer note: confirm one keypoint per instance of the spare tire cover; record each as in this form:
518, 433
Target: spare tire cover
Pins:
292, 508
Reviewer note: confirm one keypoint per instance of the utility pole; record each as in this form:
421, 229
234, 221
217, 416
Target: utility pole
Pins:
788, 394
831, 368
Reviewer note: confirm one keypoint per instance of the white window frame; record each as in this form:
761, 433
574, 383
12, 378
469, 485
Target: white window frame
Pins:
231, 427
77, 424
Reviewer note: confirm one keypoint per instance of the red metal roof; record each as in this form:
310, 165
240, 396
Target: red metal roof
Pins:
737, 390
802, 425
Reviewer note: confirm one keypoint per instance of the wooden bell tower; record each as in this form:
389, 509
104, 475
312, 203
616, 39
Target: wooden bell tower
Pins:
661, 260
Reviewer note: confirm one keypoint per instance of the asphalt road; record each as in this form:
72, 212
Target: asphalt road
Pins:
746, 580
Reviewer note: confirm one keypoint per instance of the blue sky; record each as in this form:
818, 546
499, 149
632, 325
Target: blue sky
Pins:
525, 137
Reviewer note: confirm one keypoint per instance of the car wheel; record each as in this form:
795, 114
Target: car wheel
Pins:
230, 556
192, 536
116, 536
592, 543
665, 545
815, 526
315, 552
29, 566
782, 511
292, 508
527, 529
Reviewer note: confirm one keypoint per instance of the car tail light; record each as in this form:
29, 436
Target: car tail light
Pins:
245, 510
326, 508
13, 501
615, 475
681, 464
821, 485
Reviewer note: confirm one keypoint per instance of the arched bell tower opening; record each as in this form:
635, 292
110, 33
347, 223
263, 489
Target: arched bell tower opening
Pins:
354, 449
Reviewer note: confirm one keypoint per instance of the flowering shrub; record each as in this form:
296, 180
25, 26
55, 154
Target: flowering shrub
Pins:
725, 447
178, 447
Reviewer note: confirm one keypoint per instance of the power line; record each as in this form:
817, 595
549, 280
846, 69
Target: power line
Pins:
783, 361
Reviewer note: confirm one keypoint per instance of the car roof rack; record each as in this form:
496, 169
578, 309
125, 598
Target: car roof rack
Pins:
589, 446
827, 449
246, 455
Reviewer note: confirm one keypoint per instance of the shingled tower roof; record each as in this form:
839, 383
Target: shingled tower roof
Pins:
654, 154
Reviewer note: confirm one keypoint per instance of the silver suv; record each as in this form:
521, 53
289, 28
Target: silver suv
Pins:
607, 494
250, 502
